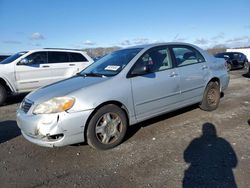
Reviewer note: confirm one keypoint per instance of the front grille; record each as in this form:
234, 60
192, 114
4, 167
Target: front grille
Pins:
26, 105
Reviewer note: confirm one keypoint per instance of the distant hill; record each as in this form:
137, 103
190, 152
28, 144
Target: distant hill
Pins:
99, 52
213, 51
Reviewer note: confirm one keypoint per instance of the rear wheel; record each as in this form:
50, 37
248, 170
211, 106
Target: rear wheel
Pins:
211, 97
107, 127
246, 65
3, 94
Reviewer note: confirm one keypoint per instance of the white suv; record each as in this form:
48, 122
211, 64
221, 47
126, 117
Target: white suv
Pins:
26, 71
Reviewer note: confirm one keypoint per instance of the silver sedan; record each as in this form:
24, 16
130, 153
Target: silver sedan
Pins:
121, 89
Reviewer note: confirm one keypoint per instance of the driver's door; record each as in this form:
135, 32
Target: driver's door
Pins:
158, 90
34, 74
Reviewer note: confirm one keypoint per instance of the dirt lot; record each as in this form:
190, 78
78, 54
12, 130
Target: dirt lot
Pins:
161, 152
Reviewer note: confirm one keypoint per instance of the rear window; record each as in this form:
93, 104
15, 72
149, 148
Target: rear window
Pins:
236, 55
226, 55
77, 57
58, 57
219, 55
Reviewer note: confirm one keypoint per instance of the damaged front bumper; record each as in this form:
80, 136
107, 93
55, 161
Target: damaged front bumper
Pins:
53, 130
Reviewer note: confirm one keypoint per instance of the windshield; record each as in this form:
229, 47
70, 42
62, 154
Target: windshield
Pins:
111, 64
12, 58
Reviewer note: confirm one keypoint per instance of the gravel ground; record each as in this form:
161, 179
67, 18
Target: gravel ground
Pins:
186, 148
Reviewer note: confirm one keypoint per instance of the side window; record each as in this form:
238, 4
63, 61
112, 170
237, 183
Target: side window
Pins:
243, 57
186, 56
37, 58
240, 57
58, 57
77, 57
236, 56
157, 59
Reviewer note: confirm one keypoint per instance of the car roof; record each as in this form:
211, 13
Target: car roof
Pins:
57, 50
144, 46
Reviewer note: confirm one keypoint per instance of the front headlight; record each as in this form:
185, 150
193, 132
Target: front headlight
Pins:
55, 105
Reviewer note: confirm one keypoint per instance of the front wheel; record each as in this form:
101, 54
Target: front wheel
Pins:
211, 97
107, 127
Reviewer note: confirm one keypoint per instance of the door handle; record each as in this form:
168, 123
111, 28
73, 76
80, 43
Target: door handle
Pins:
45, 66
173, 74
204, 67
72, 64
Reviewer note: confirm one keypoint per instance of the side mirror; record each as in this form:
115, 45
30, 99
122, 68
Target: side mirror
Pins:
140, 70
24, 61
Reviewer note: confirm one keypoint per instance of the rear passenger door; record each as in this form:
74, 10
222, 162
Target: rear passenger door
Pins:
193, 71
78, 60
60, 65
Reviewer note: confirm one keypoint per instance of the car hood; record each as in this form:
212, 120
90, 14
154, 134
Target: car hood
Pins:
63, 88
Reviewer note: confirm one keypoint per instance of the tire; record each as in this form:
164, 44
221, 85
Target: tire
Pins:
3, 94
229, 67
246, 65
211, 97
107, 127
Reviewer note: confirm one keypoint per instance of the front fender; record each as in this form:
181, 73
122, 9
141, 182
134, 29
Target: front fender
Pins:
7, 82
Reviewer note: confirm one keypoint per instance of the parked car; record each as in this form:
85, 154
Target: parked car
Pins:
234, 60
26, 71
2, 57
121, 89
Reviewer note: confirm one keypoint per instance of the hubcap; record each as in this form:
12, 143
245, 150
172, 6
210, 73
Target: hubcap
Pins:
212, 97
108, 128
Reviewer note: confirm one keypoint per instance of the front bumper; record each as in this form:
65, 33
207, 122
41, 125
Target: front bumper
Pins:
53, 130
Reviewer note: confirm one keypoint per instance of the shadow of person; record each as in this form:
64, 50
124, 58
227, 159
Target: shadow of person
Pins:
211, 160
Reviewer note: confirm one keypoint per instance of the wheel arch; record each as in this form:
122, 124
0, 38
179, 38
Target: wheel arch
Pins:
114, 102
5, 84
203, 104
214, 79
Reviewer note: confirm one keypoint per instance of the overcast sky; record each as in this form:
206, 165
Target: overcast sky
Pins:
29, 24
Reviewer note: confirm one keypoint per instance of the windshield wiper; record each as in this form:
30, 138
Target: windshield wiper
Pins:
91, 74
